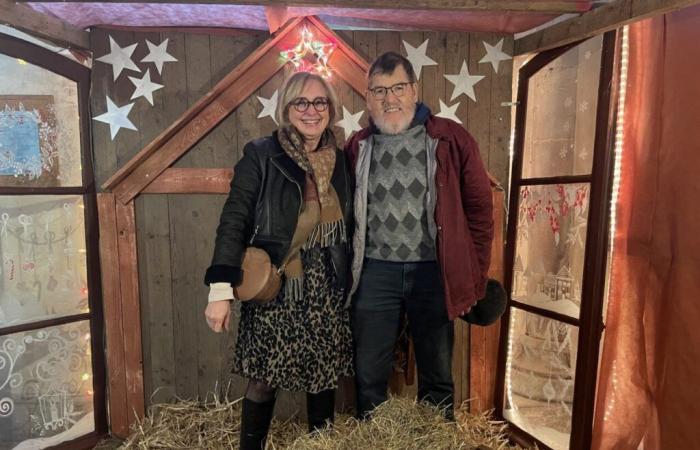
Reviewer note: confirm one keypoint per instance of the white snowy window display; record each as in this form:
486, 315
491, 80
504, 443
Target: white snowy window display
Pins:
42, 250
561, 113
540, 372
46, 389
39, 127
550, 248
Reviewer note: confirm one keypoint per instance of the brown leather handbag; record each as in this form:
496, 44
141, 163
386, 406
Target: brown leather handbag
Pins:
261, 279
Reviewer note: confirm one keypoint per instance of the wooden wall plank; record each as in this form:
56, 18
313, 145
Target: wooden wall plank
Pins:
199, 82
484, 341
156, 298
128, 267
500, 117
104, 148
114, 332
182, 215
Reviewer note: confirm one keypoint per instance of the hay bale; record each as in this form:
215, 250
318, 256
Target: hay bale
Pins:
398, 424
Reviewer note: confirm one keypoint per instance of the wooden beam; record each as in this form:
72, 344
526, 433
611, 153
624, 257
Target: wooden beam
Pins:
191, 181
597, 21
112, 301
55, 30
276, 17
537, 6
131, 309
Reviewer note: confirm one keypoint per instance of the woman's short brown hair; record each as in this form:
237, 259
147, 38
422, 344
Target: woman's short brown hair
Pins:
292, 89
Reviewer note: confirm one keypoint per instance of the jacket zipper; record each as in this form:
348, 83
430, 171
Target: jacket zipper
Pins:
255, 232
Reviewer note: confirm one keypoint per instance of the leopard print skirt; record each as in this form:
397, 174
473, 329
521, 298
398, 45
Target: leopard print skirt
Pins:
303, 345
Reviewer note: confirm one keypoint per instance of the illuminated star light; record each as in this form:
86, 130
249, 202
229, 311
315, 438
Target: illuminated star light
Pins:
310, 47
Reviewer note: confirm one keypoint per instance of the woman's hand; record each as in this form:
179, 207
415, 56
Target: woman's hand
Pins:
218, 315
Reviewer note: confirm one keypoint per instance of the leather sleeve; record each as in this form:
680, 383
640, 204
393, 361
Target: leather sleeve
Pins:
237, 217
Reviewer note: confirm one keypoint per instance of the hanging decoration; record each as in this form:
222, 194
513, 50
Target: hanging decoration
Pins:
269, 106
144, 87
417, 56
464, 82
494, 54
449, 112
310, 49
117, 117
158, 55
350, 122
119, 58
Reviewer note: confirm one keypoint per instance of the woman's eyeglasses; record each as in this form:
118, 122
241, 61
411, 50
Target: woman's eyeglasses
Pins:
302, 104
379, 92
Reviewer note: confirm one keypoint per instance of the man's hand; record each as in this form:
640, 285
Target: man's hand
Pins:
218, 315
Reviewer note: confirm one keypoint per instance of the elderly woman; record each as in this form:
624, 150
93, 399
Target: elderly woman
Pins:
290, 196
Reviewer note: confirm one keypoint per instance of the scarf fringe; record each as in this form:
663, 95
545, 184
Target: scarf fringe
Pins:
326, 235
294, 288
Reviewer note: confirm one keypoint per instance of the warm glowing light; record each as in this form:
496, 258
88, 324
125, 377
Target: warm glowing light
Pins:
509, 356
309, 48
619, 133
86, 376
21, 62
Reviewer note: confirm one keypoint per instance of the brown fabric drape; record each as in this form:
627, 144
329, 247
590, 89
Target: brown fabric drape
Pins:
649, 384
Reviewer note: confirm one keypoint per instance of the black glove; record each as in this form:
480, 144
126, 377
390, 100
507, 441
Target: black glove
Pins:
490, 308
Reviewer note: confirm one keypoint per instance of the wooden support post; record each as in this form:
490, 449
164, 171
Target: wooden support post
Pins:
111, 293
131, 308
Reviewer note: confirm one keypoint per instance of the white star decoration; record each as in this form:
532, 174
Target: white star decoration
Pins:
449, 112
116, 117
145, 87
494, 55
350, 122
119, 58
417, 57
269, 106
158, 54
464, 83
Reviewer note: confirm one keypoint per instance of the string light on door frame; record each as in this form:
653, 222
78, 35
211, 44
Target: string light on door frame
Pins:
307, 48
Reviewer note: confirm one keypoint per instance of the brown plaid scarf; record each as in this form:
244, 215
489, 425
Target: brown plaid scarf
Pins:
321, 220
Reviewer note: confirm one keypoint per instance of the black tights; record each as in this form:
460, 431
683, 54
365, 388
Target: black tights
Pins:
259, 391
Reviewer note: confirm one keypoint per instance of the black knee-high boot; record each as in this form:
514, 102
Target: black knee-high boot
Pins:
255, 423
320, 409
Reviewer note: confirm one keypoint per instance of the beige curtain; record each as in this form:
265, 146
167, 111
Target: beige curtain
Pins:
649, 386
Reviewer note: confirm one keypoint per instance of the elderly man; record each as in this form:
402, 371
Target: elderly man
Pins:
422, 238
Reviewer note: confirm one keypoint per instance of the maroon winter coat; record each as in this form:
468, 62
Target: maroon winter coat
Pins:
463, 212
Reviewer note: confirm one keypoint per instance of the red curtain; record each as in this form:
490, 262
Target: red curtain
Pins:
649, 383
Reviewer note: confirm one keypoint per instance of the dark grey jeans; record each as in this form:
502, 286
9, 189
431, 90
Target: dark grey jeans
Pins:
385, 290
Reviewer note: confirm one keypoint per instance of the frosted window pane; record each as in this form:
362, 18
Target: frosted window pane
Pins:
39, 127
46, 386
550, 246
540, 377
44, 269
561, 111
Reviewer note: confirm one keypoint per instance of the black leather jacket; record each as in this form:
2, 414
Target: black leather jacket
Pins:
263, 208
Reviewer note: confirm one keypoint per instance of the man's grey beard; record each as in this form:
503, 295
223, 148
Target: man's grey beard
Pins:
399, 127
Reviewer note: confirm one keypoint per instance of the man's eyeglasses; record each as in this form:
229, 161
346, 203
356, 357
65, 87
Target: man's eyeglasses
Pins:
302, 104
399, 89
